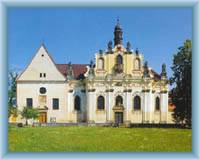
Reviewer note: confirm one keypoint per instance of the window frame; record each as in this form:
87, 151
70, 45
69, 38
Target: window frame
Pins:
157, 108
43, 90
98, 102
117, 99
137, 103
55, 107
27, 102
121, 59
77, 99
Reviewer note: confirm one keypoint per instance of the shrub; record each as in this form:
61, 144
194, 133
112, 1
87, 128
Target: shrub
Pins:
19, 125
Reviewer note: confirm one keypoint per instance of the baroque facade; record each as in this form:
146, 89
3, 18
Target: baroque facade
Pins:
117, 87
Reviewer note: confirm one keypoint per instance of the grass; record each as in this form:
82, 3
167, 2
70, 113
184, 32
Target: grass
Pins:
98, 139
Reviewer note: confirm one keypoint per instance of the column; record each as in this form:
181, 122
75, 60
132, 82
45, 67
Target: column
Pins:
128, 105
147, 99
70, 102
164, 106
110, 106
107, 106
90, 105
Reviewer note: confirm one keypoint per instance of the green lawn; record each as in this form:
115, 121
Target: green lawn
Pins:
98, 139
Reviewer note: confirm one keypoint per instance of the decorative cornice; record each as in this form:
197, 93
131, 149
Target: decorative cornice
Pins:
91, 90
109, 90
118, 84
128, 90
118, 108
163, 92
39, 81
146, 90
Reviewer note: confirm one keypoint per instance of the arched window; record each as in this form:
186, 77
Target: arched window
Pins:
100, 63
119, 100
157, 104
137, 64
119, 59
100, 102
137, 103
77, 103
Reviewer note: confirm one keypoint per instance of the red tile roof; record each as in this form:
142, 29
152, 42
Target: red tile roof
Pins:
78, 69
156, 75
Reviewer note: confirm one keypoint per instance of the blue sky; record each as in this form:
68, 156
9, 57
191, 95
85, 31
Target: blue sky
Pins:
76, 34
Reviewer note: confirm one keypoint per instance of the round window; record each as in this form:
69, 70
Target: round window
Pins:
43, 90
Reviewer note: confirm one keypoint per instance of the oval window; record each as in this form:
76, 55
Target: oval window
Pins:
43, 90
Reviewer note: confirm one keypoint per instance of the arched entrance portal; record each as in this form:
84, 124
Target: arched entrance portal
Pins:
118, 110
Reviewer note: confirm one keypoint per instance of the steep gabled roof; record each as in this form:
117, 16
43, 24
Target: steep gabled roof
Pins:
42, 50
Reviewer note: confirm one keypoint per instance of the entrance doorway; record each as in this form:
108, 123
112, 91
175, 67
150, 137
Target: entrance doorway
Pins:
43, 117
118, 117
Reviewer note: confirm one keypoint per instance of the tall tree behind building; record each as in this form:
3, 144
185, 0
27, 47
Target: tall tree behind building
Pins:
181, 79
12, 93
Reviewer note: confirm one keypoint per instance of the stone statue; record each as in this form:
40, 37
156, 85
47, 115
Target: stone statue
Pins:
146, 70
164, 73
69, 71
137, 51
128, 46
100, 51
91, 70
110, 46
91, 64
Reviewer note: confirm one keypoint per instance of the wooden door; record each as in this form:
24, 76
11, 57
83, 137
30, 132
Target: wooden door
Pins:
43, 117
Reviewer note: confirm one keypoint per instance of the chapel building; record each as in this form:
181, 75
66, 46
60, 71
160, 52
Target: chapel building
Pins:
117, 87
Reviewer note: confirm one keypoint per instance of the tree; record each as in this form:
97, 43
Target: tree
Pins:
12, 111
29, 113
12, 93
181, 79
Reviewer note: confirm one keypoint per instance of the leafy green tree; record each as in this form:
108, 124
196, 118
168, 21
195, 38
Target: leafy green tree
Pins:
181, 79
12, 93
12, 111
29, 113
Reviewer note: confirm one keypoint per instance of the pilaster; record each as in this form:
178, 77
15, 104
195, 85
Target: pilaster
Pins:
164, 106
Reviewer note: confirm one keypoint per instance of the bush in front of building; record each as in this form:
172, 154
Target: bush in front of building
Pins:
29, 113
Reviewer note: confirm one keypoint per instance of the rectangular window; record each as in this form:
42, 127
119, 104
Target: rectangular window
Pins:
55, 103
40, 75
29, 102
44, 74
